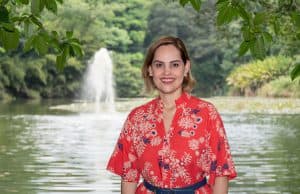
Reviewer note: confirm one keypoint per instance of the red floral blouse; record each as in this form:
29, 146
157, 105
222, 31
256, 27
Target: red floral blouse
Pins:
195, 146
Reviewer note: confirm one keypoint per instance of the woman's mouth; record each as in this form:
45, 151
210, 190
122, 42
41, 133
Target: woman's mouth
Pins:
167, 80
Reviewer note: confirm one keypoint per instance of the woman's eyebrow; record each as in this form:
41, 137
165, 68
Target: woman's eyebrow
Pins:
177, 60
157, 61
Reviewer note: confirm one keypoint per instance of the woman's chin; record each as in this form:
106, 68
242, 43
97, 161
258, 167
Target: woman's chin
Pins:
169, 90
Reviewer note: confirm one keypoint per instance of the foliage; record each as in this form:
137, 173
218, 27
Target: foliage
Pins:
126, 28
249, 77
31, 78
15, 76
16, 16
262, 22
127, 77
296, 71
119, 26
281, 87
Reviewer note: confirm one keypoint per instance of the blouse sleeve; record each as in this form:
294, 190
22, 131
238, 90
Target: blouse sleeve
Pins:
123, 160
221, 159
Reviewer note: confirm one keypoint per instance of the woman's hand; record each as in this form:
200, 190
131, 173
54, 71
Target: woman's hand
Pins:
221, 185
128, 187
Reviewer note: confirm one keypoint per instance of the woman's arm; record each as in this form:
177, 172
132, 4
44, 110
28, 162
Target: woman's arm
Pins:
221, 185
128, 187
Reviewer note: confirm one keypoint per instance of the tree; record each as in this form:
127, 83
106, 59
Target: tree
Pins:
262, 22
119, 26
26, 15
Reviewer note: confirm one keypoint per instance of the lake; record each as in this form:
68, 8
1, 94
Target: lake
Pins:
44, 150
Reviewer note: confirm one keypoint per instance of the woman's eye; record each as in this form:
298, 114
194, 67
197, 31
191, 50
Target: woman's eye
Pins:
175, 64
158, 65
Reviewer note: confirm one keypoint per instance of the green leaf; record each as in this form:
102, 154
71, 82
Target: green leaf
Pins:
257, 47
8, 27
40, 44
36, 21
261, 49
69, 34
226, 13
54, 40
77, 49
242, 12
75, 40
183, 2
28, 44
4, 15
244, 47
51, 5
9, 39
247, 33
267, 37
62, 59
260, 18
196, 4
35, 7
60, 62
17, 19
25, 2
295, 72
72, 52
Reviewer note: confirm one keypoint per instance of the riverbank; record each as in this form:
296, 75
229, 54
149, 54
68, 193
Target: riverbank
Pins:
226, 104
256, 105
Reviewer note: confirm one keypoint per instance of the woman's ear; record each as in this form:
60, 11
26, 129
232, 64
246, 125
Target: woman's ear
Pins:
187, 67
150, 71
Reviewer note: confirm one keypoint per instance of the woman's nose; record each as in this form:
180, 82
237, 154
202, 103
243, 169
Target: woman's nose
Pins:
167, 69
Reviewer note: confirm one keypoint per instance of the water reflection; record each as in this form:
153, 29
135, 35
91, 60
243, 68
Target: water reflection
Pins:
287, 141
16, 152
261, 155
44, 151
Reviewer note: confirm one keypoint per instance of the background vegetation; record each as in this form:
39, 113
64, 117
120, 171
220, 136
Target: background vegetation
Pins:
127, 28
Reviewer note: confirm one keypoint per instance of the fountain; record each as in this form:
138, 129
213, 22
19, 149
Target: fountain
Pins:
98, 82
97, 93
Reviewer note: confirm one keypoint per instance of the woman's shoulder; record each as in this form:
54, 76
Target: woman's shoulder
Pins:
202, 104
200, 101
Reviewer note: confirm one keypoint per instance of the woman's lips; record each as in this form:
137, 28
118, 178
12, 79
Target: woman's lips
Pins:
167, 80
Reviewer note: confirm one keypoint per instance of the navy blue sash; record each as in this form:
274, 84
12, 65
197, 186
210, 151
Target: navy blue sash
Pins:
185, 190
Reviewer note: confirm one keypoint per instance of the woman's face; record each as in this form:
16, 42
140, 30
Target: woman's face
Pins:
168, 69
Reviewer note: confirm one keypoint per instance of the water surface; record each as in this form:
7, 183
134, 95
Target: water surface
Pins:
53, 151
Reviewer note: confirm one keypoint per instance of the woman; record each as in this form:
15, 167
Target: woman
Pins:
176, 141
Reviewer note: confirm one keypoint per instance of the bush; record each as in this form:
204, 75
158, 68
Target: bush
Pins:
15, 76
35, 77
249, 77
281, 87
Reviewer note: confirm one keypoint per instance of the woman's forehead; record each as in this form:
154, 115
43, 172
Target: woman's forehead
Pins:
167, 53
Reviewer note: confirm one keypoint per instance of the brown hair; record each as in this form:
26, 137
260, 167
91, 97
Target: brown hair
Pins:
188, 81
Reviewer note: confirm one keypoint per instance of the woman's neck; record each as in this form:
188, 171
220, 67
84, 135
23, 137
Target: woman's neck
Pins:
168, 100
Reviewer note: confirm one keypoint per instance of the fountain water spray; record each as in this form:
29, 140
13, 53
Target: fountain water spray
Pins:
98, 82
